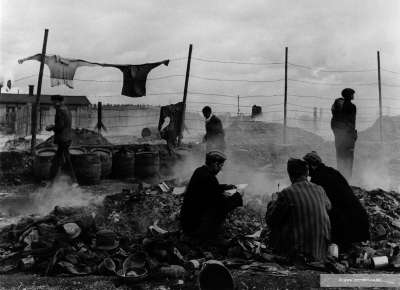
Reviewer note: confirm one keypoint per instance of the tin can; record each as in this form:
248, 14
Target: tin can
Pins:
380, 262
333, 250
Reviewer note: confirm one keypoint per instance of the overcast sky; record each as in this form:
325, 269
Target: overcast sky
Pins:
323, 35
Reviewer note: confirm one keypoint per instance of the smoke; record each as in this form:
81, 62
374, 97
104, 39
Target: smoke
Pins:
62, 194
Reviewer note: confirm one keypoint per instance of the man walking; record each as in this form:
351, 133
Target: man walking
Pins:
343, 125
215, 135
62, 138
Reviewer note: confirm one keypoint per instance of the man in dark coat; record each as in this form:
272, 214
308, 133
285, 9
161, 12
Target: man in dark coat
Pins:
343, 124
215, 135
62, 138
297, 219
349, 220
205, 205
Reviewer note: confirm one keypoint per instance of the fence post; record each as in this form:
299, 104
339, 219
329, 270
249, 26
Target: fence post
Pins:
285, 101
238, 106
380, 96
185, 94
36, 105
315, 118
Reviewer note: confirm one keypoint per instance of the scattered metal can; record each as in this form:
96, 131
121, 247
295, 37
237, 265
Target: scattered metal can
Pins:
333, 250
380, 262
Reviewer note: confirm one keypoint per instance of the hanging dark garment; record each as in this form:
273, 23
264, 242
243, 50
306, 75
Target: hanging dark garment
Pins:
170, 133
135, 76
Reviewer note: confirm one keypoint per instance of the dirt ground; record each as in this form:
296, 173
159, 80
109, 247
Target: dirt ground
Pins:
243, 279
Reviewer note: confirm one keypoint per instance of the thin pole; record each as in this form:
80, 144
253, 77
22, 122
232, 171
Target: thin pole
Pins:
185, 93
36, 105
99, 117
238, 106
285, 101
315, 117
380, 96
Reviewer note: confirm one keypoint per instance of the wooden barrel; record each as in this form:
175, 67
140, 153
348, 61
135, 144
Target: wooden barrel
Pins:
42, 163
105, 156
87, 167
151, 132
123, 164
147, 164
76, 150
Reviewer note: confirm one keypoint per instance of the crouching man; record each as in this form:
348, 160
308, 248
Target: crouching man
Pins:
205, 206
298, 219
349, 219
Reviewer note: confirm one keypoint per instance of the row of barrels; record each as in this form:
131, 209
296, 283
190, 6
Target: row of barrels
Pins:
92, 165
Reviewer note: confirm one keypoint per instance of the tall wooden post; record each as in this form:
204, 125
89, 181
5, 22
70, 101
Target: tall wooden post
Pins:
380, 97
238, 106
285, 101
99, 117
185, 93
36, 105
315, 118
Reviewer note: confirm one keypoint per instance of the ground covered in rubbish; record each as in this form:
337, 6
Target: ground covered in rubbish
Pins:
35, 253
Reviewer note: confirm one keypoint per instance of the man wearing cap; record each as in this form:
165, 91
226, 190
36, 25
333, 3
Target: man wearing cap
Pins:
215, 135
298, 219
205, 205
62, 137
343, 124
349, 219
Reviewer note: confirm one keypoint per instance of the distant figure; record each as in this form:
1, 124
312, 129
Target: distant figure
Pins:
205, 205
256, 111
343, 124
298, 219
349, 219
63, 139
215, 135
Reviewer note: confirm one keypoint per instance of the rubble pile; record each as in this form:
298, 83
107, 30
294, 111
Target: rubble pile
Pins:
135, 234
80, 137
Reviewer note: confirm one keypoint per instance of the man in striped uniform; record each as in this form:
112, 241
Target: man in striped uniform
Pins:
298, 219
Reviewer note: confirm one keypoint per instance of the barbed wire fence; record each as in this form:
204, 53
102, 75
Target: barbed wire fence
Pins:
294, 107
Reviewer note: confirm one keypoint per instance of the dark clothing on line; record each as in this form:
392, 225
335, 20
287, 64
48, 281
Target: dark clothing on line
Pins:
343, 124
205, 206
172, 131
215, 135
135, 77
349, 219
298, 221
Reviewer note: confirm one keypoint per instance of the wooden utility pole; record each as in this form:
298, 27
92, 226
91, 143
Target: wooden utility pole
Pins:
238, 106
36, 105
380, 97
285, 101
185, 93
315, 118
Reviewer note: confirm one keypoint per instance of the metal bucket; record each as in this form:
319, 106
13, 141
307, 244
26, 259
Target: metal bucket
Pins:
215, 276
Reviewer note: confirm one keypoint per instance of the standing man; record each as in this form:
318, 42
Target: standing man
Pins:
62, 138
349, 219
205, 205
215, 135
298, 219
343, 125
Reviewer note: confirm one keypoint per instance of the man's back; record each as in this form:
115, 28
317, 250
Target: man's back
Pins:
214, 127
343, 114
299, 220
62, 126
349, 219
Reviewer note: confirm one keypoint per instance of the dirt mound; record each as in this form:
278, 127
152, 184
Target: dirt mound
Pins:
80, 137
256, 132
390, 130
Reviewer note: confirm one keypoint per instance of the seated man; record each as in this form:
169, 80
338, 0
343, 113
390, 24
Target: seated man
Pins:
205, 205
298, 219
349, 220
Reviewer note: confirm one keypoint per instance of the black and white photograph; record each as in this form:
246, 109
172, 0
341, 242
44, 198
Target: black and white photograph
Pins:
210, 145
